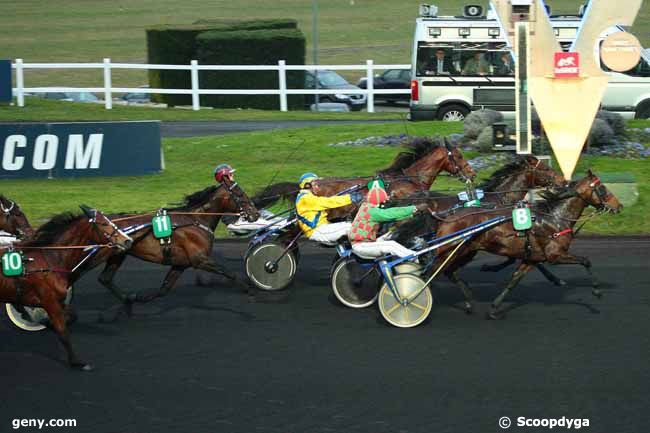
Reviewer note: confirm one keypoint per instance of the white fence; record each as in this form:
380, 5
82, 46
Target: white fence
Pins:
108, 90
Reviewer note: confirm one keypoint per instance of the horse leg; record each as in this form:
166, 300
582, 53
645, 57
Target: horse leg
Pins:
568, 259
468, 304
168, 283
57, 322
205, 263
519, 274
106, 279
550, 276
498, 266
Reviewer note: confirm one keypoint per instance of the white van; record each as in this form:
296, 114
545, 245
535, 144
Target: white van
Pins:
463, 63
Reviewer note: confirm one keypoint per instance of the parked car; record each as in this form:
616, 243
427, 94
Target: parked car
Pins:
332, 80
71, 96
391, 79
136, 97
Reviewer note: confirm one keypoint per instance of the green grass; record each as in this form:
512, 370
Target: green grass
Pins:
351, 31
38, 110
283, 155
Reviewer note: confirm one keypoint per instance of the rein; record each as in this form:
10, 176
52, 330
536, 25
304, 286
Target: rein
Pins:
178, 213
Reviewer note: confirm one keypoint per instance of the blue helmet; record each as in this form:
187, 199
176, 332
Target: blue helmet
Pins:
306, 178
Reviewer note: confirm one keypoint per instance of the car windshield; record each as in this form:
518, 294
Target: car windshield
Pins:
329, 78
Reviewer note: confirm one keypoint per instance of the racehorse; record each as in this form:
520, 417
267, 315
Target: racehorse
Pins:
13, 220
414, 169
506, 186
50, 259
548, 240
190, 245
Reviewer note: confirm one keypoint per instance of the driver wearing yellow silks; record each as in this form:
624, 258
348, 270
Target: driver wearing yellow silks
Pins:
312, 209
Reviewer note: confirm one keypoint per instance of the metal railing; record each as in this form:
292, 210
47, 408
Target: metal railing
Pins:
196, 91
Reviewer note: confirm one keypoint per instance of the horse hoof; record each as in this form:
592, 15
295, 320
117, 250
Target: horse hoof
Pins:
468, 308
495, 315
597, 293
560, 283
81, 366
199, 281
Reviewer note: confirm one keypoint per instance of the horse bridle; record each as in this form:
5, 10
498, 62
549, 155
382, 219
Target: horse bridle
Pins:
7, 211
601, 192
109, 223
459, 170
237, 198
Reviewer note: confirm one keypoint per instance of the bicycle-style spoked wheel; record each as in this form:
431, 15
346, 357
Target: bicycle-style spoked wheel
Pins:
414, 312
266, 271
354, 284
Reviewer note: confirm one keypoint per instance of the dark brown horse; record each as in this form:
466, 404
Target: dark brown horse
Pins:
191, 242
506, 186
413, 170
548, 240
13, 220
50, 260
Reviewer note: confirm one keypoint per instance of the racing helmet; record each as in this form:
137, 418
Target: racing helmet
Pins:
222, 170
306, 178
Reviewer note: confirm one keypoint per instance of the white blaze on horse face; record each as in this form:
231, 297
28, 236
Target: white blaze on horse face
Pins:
567, 106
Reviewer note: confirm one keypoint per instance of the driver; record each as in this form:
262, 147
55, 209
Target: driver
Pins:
311, 210
241, 226
363, 233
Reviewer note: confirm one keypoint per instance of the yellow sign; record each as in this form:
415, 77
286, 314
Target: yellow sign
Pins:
567, 106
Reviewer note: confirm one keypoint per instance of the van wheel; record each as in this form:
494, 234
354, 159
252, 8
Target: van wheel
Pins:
643, 112
453, 113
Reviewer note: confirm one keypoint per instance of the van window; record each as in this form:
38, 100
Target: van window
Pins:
464, 58
640, 70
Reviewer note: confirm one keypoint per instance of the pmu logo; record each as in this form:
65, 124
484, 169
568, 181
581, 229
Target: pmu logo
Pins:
79, 155
567, 65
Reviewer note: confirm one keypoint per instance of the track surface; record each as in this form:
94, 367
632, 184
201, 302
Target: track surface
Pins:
208, 360
202, 128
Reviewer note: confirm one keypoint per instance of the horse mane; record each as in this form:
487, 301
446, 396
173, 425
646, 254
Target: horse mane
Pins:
557, 195
491, 183
413, 150
276, 192
49, 232
198, 198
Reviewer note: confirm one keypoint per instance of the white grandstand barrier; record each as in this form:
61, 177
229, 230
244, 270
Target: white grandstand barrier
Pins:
195, 91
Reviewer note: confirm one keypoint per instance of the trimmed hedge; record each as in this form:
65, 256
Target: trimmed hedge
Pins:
176, 45
255, 47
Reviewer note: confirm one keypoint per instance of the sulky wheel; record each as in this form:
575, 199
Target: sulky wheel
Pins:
31, 318
266, 271
354, 284
409, 268
414, 312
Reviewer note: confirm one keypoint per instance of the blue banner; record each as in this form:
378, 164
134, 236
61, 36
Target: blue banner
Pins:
55, 150
5, 81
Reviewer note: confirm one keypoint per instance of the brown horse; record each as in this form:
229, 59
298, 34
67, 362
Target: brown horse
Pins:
548, 240
50, 259
13, 220
413, 170
190, 245
506, 186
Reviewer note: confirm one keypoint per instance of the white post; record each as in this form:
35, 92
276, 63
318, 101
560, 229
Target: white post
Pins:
282, 78
20, 83
108, 99
196, 102
370, 86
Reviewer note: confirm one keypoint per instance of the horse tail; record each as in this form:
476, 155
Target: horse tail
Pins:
276, 192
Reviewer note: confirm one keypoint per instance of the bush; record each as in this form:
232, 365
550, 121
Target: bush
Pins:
177, 45
477, 121
614, 120
255, 47
601, 134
